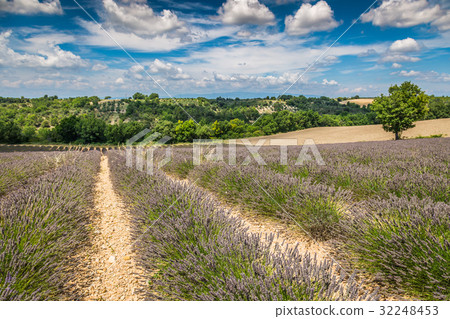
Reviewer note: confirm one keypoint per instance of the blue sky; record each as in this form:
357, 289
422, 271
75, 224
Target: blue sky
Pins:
226, 47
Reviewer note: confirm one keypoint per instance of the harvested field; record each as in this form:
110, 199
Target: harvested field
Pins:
350, 134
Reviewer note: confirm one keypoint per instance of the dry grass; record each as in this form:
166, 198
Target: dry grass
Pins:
360, 102
349, 134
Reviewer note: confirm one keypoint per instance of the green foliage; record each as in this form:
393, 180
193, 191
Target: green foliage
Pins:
218, 118
91, 130
10, 132
185, 131
28, 133
138, 96
405, 104
439, 107
66, 130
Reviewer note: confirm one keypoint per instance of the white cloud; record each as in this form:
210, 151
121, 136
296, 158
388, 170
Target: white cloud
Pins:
139, 18
167, 70
30, 7
359, 90
396, 66
244, 34
352, 90
98, 37
99, 67
406, 45
403, 13
430, 76
410, 73
311, 18
443, 23
368, 53
399, 58
150, 43
260, 81
47, 55
240, 12
332, 82
119, 81
11, 84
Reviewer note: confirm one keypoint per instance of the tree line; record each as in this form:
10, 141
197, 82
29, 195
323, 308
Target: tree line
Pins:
90, 120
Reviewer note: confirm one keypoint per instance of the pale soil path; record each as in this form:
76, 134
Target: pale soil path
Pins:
112, 267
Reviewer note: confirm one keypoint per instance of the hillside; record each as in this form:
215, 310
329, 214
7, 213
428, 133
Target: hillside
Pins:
91, 120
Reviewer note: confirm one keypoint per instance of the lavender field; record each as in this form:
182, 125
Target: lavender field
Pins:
382, 207
379, 210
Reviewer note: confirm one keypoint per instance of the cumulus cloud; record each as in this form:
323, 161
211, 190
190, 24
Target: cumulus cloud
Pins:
119, 81
430, 76
409, 74
31, 7
137, 17
48, 55
399, 58
136, 26
168, 70
332, 82
311, 18
99, 67
403, 13
255, 80
406, 45
400, 51
396, 66
369, 52
240, 12
443, 23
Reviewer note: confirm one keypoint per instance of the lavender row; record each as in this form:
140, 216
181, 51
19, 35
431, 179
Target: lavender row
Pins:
413, 168
201, 253
42, 226
17, 169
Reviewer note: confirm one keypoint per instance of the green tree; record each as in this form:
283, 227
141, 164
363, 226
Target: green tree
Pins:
138, 96
91, 130
28, 133
10, 132
66, 130
405, 104
185, 131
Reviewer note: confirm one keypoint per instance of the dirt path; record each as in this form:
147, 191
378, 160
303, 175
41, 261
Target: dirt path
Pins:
114, 273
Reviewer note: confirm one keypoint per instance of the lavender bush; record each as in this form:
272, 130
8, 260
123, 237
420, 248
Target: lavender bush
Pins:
41, 226
406, 242
18, 168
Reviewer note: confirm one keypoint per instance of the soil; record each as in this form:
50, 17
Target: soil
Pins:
109, 270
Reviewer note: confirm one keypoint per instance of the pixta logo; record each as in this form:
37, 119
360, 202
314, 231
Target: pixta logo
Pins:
143, 152
226, 151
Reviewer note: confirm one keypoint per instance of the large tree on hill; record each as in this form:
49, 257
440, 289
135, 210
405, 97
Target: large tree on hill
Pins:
404, 105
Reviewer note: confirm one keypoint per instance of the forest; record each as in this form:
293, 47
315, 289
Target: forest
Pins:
91, 120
